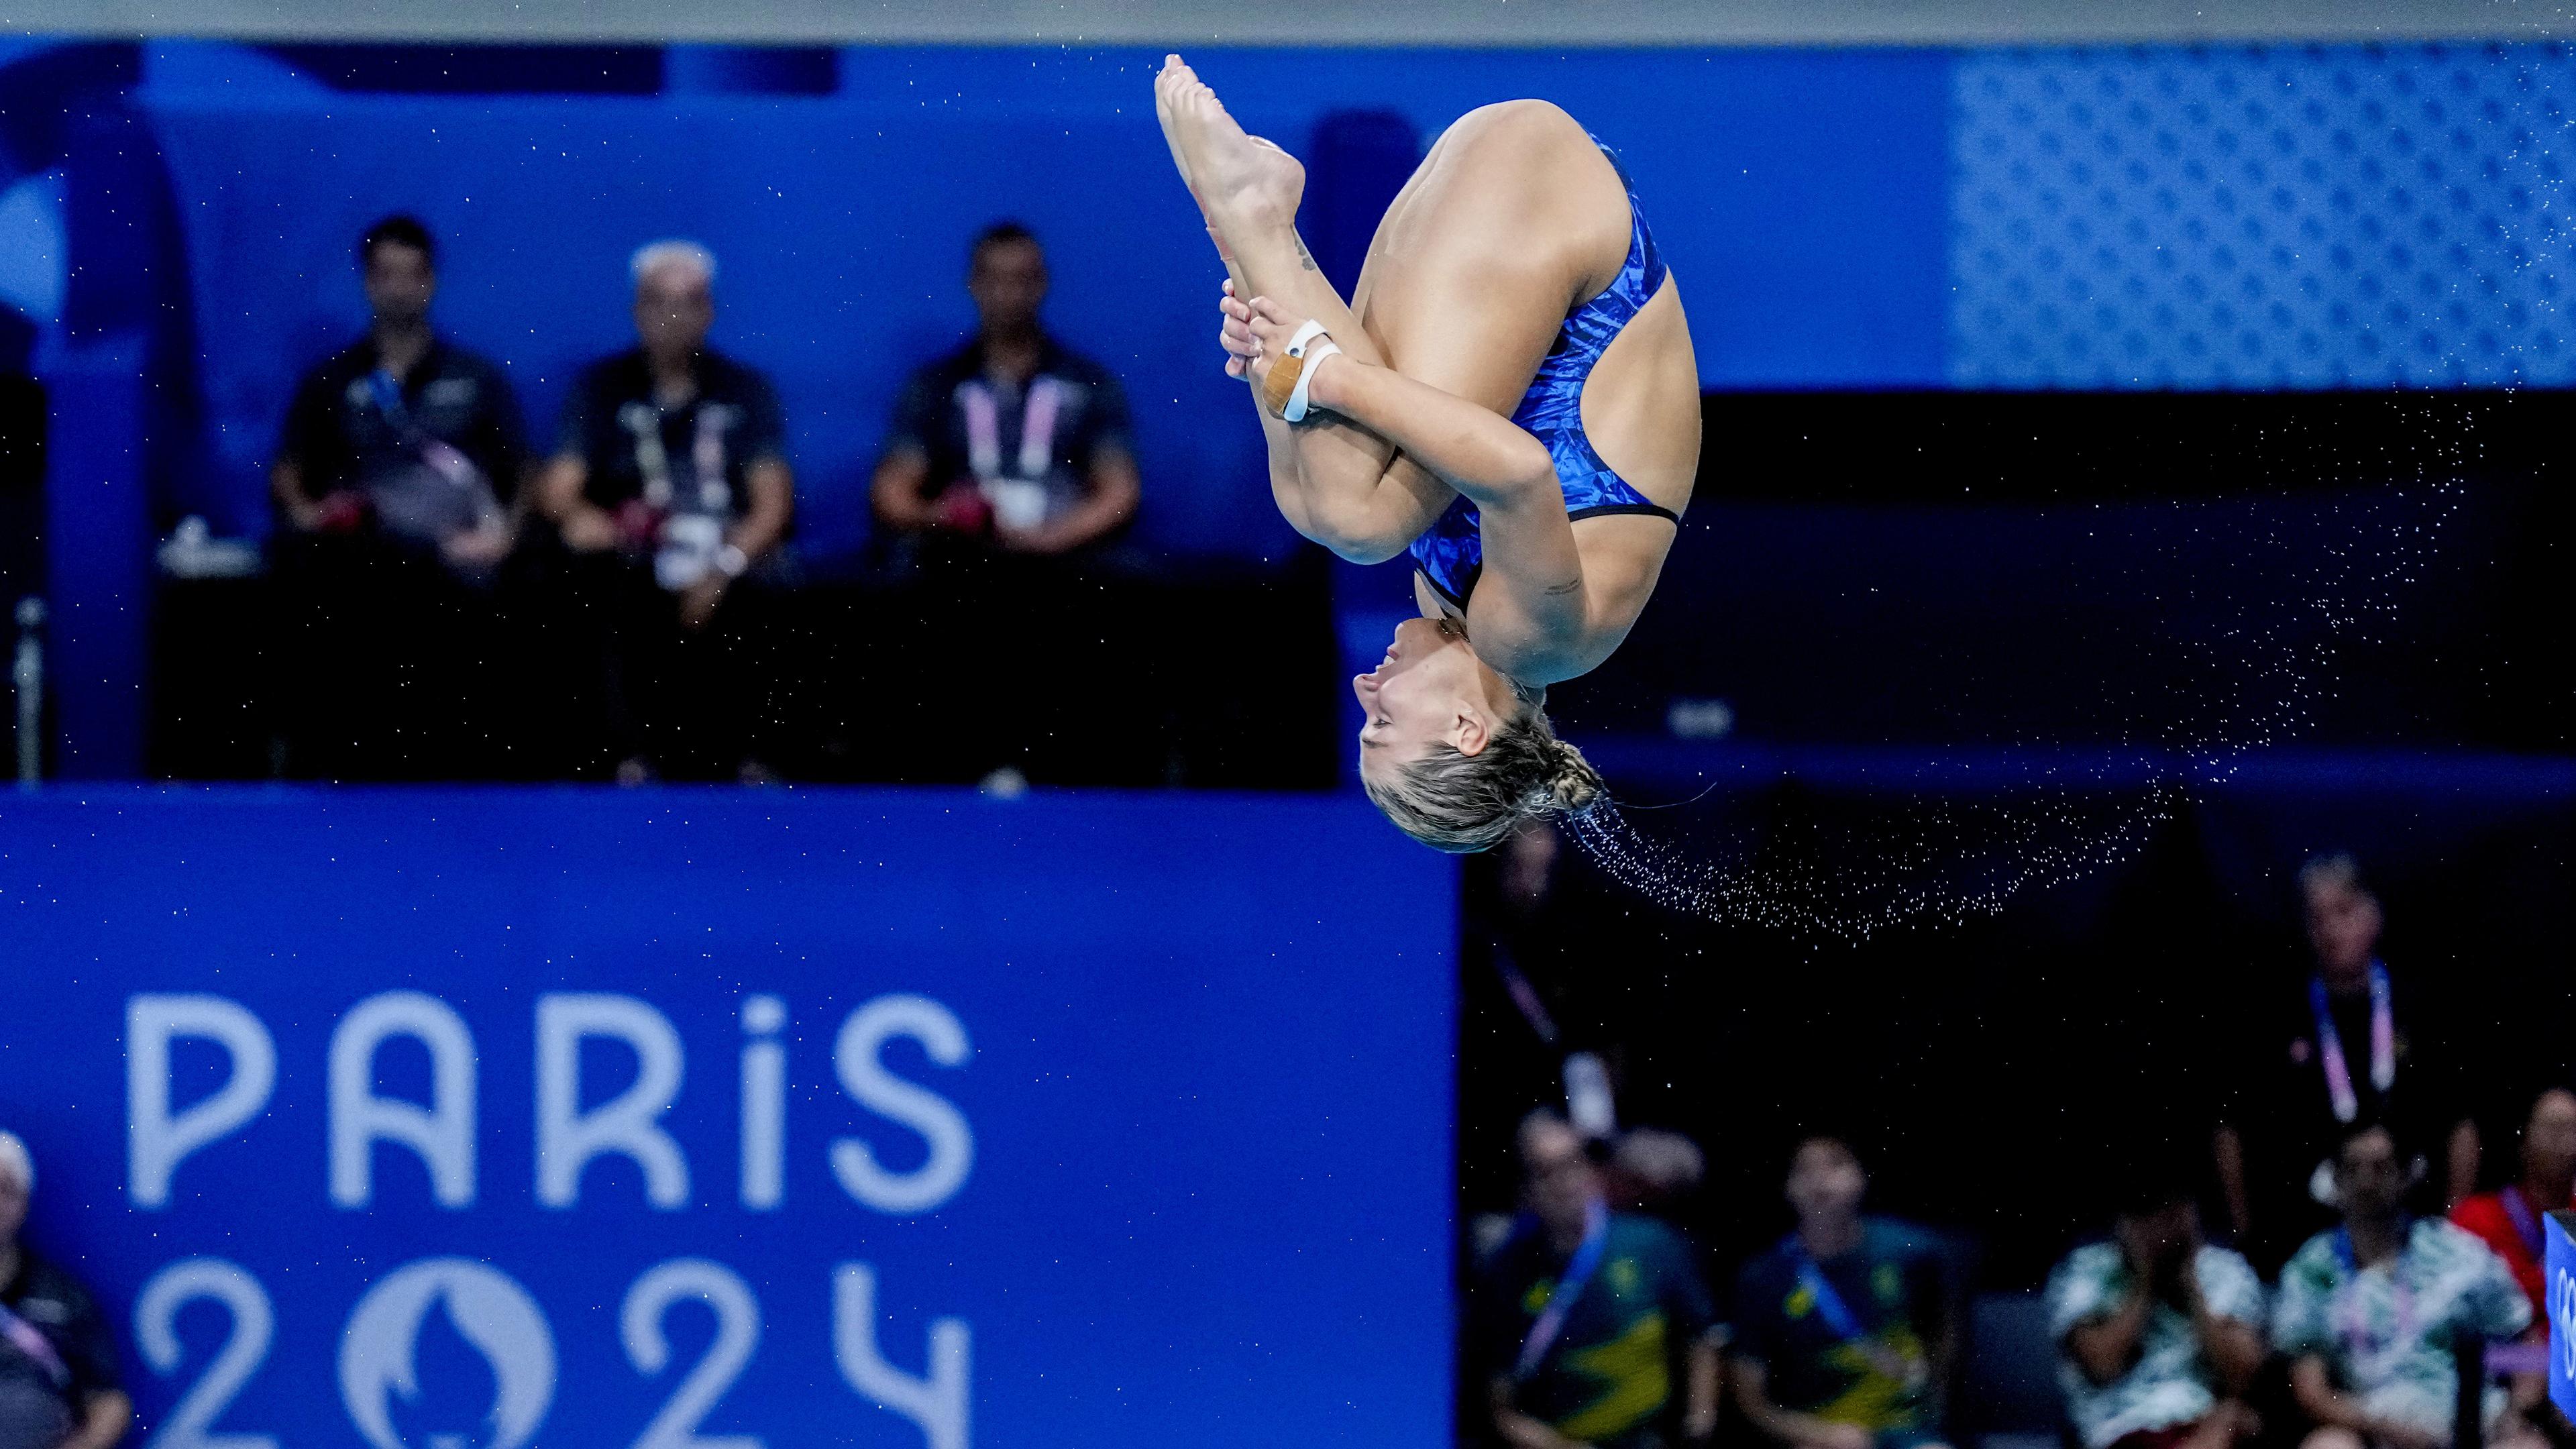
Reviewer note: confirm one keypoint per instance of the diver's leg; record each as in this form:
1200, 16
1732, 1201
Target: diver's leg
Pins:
1248, 190
1327, 475
1516, 201
1513, 219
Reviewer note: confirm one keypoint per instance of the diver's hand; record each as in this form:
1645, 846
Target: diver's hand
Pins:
1272, 326
1235, 336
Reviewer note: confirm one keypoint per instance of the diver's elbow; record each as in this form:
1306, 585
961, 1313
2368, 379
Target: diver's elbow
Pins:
1359, 548
1357, 533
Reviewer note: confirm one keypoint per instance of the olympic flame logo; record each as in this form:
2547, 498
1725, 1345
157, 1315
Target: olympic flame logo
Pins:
493, 1314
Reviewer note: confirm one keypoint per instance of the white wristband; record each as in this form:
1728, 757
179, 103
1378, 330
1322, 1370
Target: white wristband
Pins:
1309, 345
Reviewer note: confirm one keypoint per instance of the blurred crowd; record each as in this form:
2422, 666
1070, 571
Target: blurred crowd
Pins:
2351, 1287
459, 599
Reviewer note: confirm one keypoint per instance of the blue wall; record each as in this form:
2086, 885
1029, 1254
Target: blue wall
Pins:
1799, 196
2342, 216
1202, 1083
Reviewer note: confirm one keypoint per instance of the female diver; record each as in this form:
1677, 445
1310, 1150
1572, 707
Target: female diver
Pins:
1510, 394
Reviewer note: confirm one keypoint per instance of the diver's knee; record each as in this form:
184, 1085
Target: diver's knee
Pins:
1531, 114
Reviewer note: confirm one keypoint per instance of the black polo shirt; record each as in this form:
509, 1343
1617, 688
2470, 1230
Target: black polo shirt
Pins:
48, 1300
340, 432
627, 440
1085, 410
2283, 1109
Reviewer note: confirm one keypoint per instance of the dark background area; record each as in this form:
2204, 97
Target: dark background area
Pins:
1939, 617
2175, 570
2001, 1074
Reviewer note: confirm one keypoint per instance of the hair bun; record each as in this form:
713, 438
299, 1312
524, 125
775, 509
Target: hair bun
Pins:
1576, 786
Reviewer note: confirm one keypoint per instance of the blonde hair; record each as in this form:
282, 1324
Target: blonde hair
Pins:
1462, 803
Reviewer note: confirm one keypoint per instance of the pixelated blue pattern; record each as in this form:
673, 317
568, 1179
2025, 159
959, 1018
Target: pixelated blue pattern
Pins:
2252, 218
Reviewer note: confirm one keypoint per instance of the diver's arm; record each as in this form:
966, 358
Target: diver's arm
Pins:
1338, 484
1462, 444
1484, 455
1539, 614
1279, 441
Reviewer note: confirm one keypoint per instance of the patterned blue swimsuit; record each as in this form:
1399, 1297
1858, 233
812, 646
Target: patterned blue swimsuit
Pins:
1451, 553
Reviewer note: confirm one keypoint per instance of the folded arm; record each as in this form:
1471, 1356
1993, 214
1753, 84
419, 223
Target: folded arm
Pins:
1533, 614
1337, 484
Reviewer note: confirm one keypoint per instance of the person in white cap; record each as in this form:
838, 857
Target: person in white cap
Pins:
671, 489
58, 1379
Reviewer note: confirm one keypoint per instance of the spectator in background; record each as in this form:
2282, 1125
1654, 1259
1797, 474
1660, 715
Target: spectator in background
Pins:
1655, 1172
2370, 1313
2160, 1333
402, 432
1583, 1311
392, 481
1012, 443
1844, 1332
2353, 1048
2509, 1221
670, 480
1006, 469
58, 1379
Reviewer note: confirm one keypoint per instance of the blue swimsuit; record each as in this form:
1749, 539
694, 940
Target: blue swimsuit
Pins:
1451, 553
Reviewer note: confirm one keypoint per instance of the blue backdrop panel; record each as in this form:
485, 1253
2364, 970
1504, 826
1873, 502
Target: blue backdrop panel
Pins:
2312, 216
1113, 1121
1800, 197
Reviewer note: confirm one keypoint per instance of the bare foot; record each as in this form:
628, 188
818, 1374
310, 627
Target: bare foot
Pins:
1164, 84
1240, 181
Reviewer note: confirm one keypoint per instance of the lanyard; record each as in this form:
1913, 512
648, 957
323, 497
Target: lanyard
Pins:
1845, 1324
389, 400
643, 422
1829, 1302
441, 456
2383, 1044
2525, 1221
2355, 1332
31, 1341
984, 428
1578, 1274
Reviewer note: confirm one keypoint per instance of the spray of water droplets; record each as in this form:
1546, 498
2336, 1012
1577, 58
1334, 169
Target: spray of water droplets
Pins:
2235, 674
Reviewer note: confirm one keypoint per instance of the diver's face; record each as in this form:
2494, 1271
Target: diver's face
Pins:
1427, 691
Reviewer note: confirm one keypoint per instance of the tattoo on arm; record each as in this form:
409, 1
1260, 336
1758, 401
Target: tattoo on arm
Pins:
1304, 255
1569, 586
